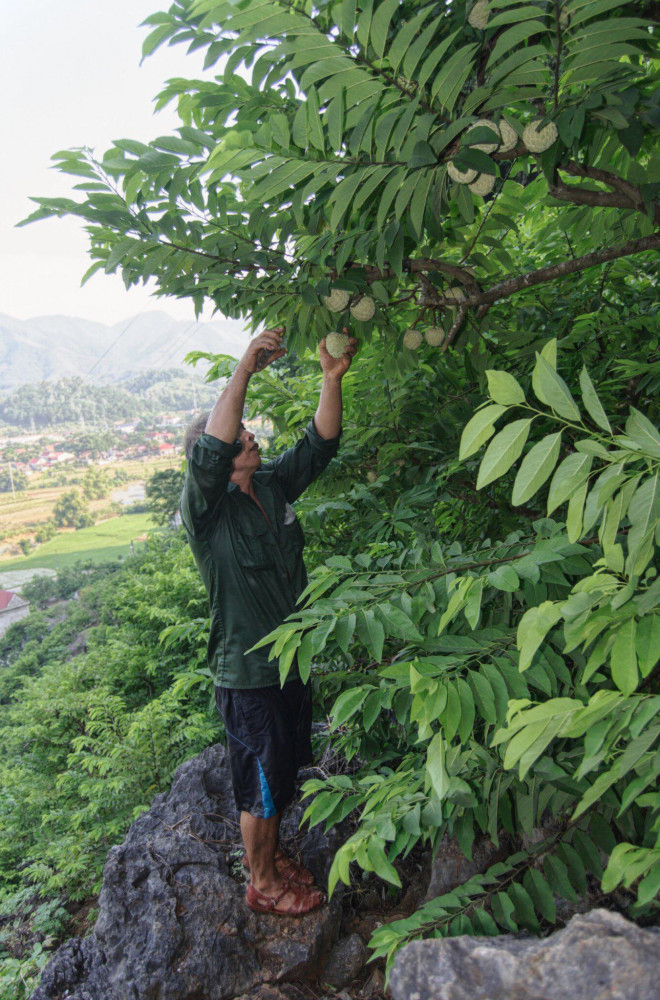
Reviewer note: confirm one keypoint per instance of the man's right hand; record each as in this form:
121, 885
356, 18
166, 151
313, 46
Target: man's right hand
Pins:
263, 350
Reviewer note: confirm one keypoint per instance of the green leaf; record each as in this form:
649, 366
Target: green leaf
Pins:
455, 71
642, 431
380, 25
574, 514
536, 467
347, 704
647, 643
397, 622
623, 658
504, 388
533, 628
504, 578
570, 475
304, 658
477, 431
505, 448
551, 389
541, 894
435, 765
371, 633
592, 403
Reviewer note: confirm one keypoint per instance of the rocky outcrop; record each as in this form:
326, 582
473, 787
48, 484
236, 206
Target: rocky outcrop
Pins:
345, 961
597, 956
172, 921
450, 867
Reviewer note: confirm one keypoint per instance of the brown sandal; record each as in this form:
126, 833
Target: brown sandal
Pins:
306, 900
288, 868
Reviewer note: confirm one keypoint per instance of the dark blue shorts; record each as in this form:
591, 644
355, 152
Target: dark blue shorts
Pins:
268, 738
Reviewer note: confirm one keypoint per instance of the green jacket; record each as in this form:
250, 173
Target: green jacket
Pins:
253, 573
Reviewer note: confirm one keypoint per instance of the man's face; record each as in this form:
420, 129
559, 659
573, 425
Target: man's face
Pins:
248, 458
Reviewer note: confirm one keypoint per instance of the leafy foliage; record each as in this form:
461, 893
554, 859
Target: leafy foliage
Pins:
482, 628
163, 491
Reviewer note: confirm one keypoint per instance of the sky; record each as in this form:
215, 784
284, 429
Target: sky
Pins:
70, 75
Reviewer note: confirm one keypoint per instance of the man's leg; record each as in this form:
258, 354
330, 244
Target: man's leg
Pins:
260, 837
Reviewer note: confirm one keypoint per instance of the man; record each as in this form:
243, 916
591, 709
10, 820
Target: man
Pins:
248, 544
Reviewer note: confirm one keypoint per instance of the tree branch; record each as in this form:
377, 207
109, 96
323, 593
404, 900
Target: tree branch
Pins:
510, 286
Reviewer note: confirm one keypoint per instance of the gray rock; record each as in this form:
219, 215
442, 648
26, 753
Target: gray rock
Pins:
597, 956
345, 961
451, 868
172, 921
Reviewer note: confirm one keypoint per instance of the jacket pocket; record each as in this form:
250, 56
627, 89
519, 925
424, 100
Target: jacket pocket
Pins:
252, 546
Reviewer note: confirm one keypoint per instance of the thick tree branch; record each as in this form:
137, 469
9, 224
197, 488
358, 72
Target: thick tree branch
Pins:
510, 286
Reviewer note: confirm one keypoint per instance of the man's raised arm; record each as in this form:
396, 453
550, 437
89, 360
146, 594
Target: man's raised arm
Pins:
327, 418
299, 466
225, 418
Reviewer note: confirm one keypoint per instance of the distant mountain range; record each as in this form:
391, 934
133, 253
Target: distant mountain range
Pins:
49, 347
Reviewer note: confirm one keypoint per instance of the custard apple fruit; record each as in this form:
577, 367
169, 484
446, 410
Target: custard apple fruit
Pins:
336, 344
539, 139
412, 338
337, 300
478, 16
483, 185
363, 309
434, 336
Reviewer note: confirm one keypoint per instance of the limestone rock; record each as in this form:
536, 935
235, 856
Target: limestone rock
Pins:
451, 868
172, 921
597, 956
345, 961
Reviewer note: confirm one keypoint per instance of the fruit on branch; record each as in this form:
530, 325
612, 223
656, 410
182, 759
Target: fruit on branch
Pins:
434, 336
564, 19
460, 176
412, 338
372, 476
486, 147
539, 139
455, 294
509, 137
478, 16
363, 309
483, 185
336, 344
337, 300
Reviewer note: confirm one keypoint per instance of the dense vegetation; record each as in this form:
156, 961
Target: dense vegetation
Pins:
94, 718
485, 625
75, 401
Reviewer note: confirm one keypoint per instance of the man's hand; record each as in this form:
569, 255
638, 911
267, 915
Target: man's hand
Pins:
336, 368
263, 350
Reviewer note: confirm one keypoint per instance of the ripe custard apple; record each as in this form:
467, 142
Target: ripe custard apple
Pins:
483, 185
434, 336
412, 338
486, 147
337, 300
336, 344
539, 139
363, 309
509, 137
478, 16
460, 176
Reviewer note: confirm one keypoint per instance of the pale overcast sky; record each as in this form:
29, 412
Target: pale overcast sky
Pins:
70, 75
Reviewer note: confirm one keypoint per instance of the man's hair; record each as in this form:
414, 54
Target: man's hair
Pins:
195, 430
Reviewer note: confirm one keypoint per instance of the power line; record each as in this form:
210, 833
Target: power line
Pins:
115, 341
179, 344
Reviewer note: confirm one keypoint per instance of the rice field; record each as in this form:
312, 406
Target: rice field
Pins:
101, 542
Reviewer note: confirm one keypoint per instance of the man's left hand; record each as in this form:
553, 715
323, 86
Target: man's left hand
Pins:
336, 368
